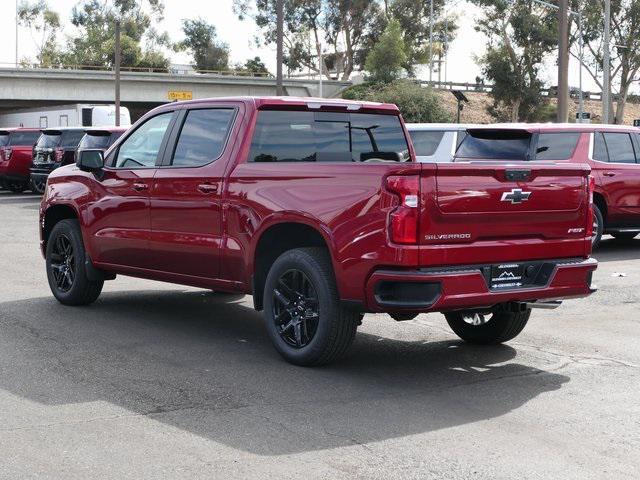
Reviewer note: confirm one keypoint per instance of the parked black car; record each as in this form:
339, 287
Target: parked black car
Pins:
99, 138
55, 147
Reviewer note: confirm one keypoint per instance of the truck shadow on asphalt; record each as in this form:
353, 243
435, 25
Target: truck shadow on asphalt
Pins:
614, 250
202, 363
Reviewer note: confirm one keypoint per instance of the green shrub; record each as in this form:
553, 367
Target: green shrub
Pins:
416, 103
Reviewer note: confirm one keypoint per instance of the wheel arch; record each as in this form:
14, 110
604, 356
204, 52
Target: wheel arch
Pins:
277, 238
600, 201
54, 214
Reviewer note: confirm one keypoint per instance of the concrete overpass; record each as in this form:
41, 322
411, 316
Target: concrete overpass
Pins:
140, 91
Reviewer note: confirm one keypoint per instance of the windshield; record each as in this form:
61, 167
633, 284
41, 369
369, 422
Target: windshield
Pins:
495, 145
303, 136
92, 141
4, 139
49, 140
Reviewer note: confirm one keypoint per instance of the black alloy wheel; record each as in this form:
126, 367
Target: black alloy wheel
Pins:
295, 308
63, 264
37, 186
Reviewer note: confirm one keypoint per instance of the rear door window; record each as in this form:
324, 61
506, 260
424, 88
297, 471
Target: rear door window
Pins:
556, 146
302, 136
202, 137
495, 145
426, 142
620, 147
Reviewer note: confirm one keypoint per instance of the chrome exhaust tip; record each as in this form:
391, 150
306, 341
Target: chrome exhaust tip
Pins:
551, 305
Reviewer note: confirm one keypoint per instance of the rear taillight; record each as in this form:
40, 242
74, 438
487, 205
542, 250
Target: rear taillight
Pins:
591, 186
59, 154
403, 221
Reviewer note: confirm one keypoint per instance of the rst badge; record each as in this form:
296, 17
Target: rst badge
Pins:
515, 196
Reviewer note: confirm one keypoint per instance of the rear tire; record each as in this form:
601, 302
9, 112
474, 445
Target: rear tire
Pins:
37, 186
624, 235
598, 227
66, 273
305, 320
500, 327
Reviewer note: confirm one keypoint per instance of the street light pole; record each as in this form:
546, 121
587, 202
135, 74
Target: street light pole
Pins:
279, 35
581, 59
320, 68
16, 33
117, 68
563, 60
430, 42
606, 63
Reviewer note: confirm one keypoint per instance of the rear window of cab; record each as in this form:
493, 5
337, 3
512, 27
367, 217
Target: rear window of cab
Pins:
305, 136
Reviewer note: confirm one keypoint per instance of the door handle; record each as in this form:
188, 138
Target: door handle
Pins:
208, 187
609, 174
138, 187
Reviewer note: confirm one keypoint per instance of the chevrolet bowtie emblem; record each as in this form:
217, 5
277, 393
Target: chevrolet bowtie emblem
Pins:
516, 196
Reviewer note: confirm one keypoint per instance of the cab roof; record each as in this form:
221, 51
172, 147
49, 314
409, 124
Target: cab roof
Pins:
6, 131
306, 103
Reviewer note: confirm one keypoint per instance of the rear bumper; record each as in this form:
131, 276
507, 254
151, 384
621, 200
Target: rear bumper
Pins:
466, 287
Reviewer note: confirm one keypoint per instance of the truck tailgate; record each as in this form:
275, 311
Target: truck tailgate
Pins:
482, 212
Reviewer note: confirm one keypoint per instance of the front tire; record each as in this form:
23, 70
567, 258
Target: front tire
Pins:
66, 273
479, 328
305, 320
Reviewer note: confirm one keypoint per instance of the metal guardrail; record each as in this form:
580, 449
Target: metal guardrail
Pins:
486, 88
175, 70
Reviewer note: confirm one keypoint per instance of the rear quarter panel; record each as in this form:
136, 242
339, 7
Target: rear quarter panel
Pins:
344, 202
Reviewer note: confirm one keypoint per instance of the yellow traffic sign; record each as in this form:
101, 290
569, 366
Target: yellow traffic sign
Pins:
180, 95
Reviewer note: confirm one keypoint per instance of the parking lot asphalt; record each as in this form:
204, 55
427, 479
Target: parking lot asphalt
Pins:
163, 381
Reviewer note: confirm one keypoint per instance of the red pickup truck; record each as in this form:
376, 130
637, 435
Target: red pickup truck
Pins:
612, 152
16, 149
318, 209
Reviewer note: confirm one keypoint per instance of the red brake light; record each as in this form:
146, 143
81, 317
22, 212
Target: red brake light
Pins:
403, 220
591, 186
59, 154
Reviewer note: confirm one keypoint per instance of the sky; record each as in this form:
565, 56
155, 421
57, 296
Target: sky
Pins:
240, 35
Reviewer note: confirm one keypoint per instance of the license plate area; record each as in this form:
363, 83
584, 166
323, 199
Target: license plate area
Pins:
507, 275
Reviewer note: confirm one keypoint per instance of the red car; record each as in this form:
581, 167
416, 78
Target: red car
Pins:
612, 152
16, 148
318, 209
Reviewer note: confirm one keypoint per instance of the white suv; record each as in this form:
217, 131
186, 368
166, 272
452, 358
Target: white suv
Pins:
437, 142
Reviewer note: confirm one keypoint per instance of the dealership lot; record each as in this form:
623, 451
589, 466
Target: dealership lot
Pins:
157, 379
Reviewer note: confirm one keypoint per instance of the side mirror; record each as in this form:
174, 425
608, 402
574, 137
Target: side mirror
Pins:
90, 160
